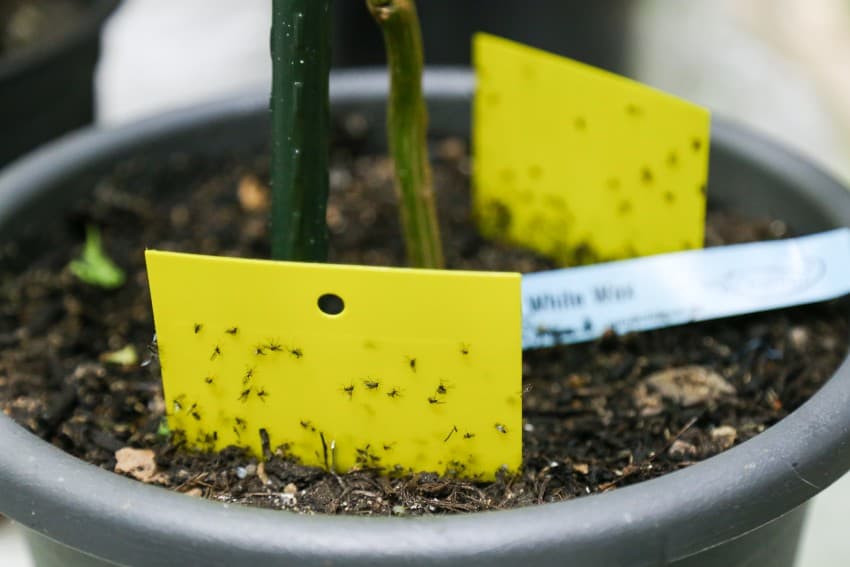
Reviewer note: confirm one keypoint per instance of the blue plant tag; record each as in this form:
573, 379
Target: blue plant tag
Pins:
579, 304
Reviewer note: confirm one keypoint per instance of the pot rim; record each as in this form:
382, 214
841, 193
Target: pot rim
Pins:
667, 518
94, 15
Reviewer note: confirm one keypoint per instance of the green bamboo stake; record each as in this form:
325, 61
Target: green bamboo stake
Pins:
301, 49
407, 124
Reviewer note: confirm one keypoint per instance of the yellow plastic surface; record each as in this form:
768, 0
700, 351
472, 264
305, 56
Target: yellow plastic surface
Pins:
580, 164
421, 371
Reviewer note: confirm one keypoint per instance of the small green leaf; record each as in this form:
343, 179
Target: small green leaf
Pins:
163, 430
93, 266
126, 356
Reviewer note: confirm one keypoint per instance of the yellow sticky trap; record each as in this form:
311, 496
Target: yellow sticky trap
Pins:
420, 371
580, 164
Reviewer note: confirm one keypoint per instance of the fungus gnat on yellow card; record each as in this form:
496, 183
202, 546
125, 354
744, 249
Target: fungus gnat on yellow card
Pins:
580, 164
347, 366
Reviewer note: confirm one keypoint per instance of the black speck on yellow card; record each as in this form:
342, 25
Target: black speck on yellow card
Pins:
583, 165
348, 366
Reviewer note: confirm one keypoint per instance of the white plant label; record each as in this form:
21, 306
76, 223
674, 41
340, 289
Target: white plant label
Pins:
579, 304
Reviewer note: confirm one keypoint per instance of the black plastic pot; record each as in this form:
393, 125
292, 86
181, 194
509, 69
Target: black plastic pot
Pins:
593, 32
744, 507
48, 89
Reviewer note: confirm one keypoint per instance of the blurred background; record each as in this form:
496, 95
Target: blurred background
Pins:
780, 66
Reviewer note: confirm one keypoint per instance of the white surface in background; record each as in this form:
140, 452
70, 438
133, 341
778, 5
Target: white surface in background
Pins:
160, 55
825, 542
815, 34
13, 550
702, 51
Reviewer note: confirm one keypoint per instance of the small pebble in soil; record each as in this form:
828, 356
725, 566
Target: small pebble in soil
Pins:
724, 436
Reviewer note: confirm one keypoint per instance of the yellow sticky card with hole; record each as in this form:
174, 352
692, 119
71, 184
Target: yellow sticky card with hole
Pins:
580, 164
349, 366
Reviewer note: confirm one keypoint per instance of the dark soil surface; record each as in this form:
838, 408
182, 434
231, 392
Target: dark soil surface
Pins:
597, 416
24, 23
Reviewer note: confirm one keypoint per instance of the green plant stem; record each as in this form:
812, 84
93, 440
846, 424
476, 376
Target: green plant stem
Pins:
300, 123
407, 125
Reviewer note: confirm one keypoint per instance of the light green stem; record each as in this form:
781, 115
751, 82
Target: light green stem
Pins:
407, 125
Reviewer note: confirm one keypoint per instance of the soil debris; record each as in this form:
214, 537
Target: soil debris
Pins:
689, 385
724, 436
253, 195
139, 464
682, 450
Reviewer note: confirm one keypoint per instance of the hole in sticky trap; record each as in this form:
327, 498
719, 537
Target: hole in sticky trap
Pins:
331, 304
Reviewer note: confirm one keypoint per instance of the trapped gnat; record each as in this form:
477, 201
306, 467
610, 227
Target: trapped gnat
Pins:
381, 384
